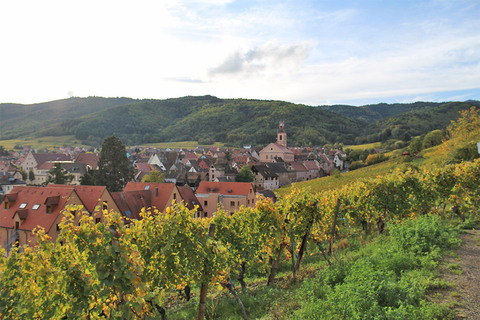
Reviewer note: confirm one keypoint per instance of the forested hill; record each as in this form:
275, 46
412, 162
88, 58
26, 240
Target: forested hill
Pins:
20, 120
374, 112
208, 119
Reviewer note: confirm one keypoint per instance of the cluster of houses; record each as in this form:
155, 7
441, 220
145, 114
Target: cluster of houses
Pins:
203, 178
28, 207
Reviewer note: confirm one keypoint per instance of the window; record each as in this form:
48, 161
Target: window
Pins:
174, 196
105, 205
35, 207
205, 203
7, 204
23, 205
49, 208
205, 214
98, 220
232, 203
17, 225
58, 227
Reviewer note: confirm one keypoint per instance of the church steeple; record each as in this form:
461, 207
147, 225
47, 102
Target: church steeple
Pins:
281, 134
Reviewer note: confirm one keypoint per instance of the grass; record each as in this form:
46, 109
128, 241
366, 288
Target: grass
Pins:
336, 182
455, 268
372, 145
60, 141
42, 143
371, 278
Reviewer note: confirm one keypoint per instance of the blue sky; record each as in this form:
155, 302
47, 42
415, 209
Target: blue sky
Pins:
311, 52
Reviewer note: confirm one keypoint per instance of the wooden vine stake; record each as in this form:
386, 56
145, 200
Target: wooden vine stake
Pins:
334, 226
303, 245
204, 287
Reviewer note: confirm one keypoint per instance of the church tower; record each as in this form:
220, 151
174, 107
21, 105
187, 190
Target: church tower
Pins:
281, 134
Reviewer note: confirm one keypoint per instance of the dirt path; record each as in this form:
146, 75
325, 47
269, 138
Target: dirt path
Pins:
462, 270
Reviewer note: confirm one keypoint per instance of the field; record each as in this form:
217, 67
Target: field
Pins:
54, 142
42, 143
338, 181
364, 146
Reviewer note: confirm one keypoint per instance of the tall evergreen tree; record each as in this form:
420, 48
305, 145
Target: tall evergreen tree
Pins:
114, 169
31, 176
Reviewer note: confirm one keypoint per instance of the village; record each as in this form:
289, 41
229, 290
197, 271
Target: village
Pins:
203, 179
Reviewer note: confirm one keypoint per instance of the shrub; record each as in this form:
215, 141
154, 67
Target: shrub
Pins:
424, 235
375, 158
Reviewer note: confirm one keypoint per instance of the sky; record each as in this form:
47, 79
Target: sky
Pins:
314, 52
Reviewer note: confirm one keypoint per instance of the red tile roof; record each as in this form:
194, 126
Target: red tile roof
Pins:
310, 165
225, 188
131, 203
160, 192
297, 166
35, 197
90, 159
46, 166
143, 166
89, 195
50, 157
189, 198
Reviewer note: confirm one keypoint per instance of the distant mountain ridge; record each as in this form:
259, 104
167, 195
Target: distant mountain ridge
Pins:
208, 119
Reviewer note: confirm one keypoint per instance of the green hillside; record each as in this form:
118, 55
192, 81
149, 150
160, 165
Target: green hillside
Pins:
416, 122
25, 121
209, 119
375, 112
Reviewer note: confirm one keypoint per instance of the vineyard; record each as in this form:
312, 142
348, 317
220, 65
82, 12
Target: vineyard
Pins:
130, 271
278, 260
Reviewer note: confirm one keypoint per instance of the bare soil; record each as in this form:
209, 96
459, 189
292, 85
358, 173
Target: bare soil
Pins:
461, 271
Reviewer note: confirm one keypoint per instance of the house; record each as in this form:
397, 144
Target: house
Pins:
155, 160
95, 199
161, 194
313, 170
141, 170
89, 159
153, 196
27, 208
301, 173
8, 182
220, 170
77, 170
278, 149
41, 173
190, 200
131, 203
33, 160
229, 195
325, 163
339, 160
265, 179
279, 168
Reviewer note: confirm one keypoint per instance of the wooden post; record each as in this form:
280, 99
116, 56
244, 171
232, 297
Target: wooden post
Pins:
292, 242
303, 246
204, 286
334, 226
